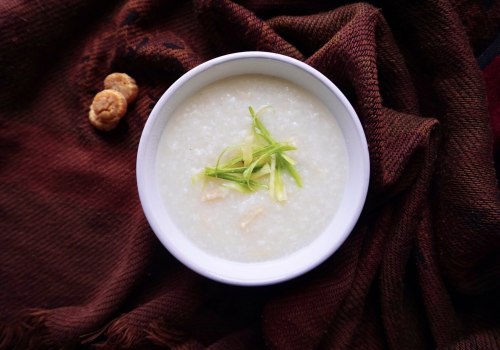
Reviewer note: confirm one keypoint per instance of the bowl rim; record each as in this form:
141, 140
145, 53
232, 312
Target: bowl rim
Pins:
149, 211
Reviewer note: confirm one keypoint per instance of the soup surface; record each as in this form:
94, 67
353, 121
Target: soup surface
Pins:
254, 226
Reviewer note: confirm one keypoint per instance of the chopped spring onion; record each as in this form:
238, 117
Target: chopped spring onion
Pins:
259, 156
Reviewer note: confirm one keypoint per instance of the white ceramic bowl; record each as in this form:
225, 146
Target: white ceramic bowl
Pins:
342, 221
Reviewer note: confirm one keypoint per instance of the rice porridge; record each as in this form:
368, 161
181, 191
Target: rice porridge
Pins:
254, 226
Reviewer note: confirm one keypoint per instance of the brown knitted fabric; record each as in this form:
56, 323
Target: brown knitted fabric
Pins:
79, 265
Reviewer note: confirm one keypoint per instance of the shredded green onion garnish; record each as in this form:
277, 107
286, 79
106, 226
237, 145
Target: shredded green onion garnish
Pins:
260, 157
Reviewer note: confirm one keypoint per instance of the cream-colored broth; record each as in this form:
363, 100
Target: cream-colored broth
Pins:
251, 227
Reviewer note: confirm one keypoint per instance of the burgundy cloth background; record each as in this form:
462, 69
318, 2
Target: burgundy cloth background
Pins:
79, 265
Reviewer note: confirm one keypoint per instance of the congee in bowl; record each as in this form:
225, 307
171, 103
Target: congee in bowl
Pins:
252, 168
244, 225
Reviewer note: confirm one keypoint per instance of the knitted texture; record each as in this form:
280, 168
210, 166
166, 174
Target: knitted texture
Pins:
79, 264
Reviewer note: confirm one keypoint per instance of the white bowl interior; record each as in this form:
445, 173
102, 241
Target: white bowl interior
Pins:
342, 222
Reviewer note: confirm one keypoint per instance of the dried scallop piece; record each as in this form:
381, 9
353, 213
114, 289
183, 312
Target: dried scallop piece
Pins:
107, 108
122, 83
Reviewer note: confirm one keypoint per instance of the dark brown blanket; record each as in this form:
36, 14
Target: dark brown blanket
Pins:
79, 265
